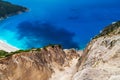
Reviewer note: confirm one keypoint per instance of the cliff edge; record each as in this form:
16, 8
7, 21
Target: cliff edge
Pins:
99, 61
101, 58
49, 63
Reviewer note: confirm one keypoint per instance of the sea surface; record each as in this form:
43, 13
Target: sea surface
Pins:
71, 23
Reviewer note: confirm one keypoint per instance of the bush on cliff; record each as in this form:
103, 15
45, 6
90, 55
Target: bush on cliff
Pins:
3, 53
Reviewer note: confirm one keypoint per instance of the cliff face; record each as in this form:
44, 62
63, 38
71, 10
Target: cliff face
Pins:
101, 58
39, 64
99, 61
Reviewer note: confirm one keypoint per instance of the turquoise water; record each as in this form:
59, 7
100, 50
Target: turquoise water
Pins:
71, 23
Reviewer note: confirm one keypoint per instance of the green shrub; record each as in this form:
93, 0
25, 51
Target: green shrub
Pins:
3, 53
109, 30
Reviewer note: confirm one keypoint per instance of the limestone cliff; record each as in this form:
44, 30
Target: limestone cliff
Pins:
51, 62
101, 58
99, 61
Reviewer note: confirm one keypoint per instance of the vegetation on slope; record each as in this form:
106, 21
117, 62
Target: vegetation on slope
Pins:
4, 54
8, 9
111, 29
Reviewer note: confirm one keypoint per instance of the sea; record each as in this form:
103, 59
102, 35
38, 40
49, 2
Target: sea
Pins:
70, 23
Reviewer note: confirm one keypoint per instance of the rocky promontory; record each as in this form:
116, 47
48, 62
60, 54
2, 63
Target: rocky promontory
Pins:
101, 58
48, 63
7, 9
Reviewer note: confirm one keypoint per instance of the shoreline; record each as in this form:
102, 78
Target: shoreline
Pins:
8, 9
13, 14
7, 47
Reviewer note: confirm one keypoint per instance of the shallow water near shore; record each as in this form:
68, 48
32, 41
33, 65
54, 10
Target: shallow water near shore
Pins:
71, 23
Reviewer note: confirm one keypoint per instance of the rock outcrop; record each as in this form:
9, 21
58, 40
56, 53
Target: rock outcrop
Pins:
101, 58
51, 62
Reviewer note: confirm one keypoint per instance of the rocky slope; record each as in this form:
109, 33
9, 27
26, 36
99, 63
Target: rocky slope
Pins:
99, 61
49, 63
101, 58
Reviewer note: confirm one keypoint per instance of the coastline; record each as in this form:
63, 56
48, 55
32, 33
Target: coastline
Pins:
8, 9
7, 47
9, 12
13, 14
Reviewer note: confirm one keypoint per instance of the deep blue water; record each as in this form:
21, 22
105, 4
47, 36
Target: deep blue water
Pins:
71, 23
